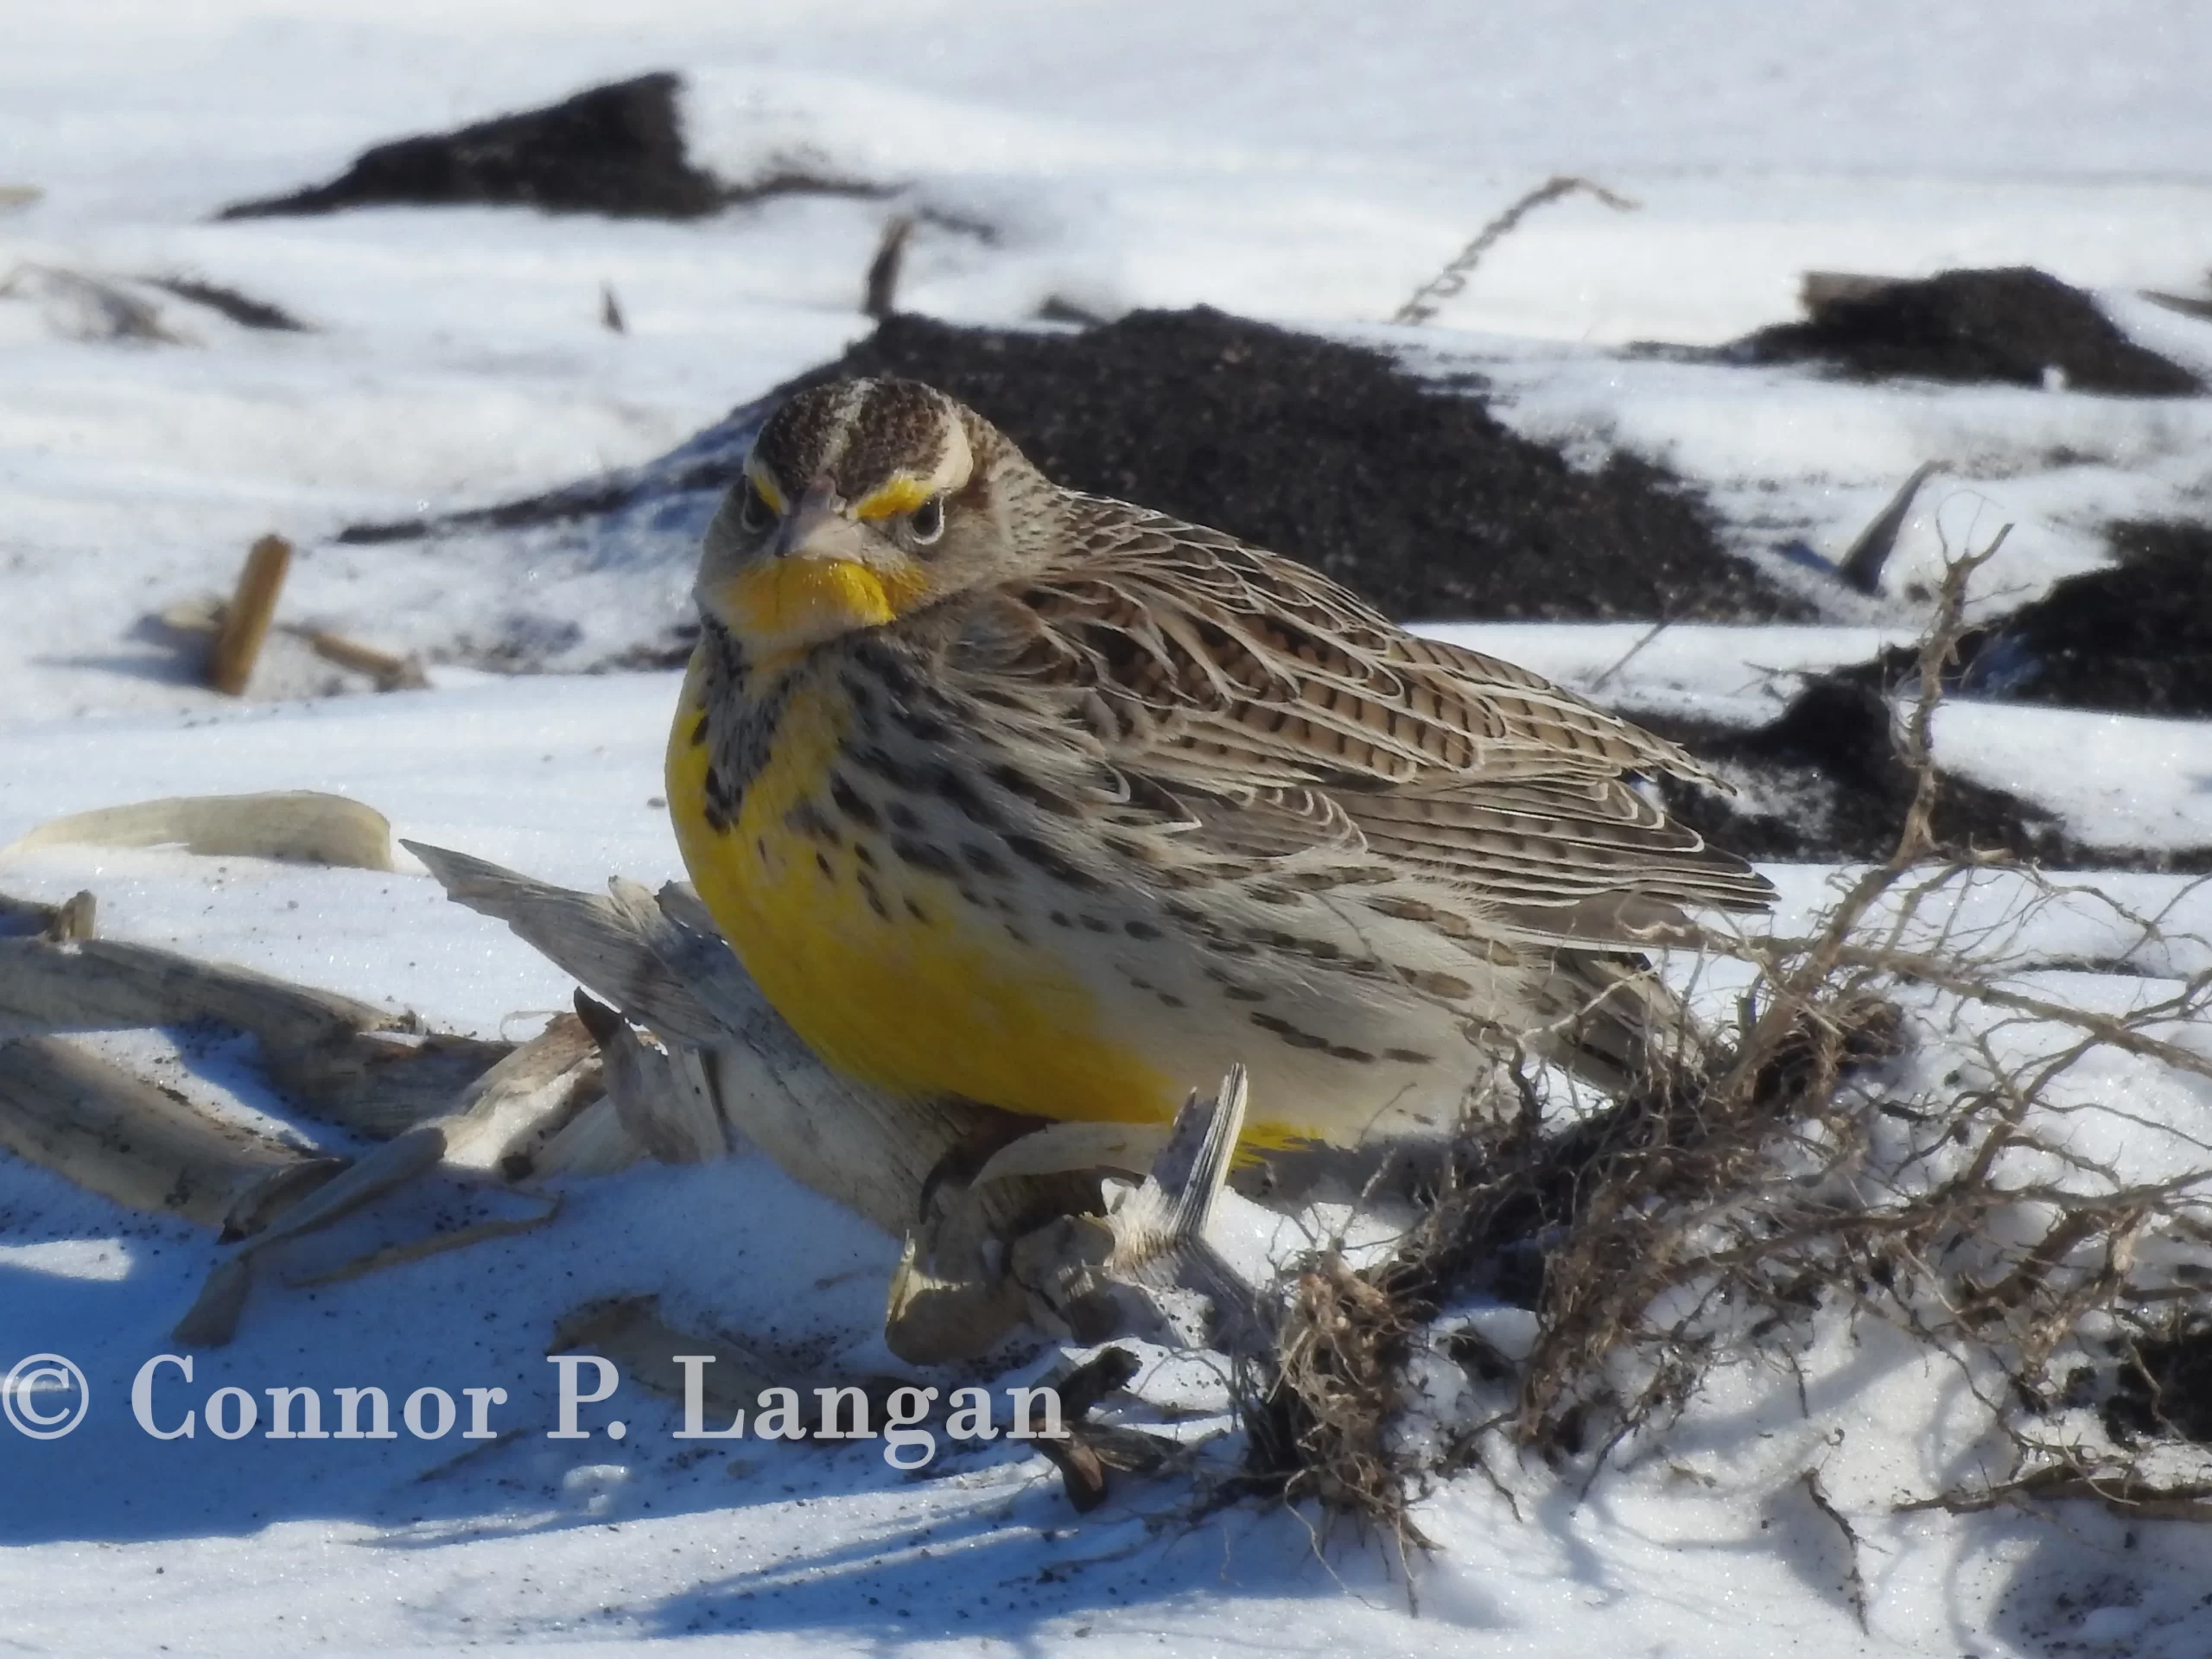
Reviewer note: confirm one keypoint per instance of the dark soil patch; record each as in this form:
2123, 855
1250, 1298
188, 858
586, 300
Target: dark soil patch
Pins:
1410, 493
2134, 638
2007, 326
1832, 756
1414, 496
616, 149
2164, 1385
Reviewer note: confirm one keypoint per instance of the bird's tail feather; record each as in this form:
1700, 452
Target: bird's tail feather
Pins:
1610, 1021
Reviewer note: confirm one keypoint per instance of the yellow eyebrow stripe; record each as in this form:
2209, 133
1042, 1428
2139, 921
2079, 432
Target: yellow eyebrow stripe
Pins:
758, 476
902, 494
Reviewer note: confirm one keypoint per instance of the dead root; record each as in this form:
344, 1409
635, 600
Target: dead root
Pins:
1803, 1170
1318, 1411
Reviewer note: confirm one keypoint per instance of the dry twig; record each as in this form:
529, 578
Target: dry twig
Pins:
882, 292
1431, 296
245, 625
1721, 1208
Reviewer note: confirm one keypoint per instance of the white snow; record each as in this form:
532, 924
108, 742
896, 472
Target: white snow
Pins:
1731, 676
2116, 780
1308, 162
1312, 163
1704, 1540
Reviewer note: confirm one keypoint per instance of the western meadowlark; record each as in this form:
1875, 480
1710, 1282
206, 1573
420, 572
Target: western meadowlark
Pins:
1059, 805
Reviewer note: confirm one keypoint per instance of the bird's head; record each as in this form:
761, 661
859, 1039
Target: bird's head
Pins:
862, 501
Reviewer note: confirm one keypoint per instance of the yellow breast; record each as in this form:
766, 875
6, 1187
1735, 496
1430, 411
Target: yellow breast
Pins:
886, 970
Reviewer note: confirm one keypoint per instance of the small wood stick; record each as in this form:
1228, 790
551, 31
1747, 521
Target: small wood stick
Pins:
76, 918
882, 296
245, 625
390, 673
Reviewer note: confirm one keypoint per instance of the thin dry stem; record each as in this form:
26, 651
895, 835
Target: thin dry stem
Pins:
1713, 1215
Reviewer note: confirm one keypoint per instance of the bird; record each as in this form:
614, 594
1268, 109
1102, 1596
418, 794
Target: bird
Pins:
1009, 794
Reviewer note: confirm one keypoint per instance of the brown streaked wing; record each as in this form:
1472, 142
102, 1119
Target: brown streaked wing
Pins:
1207, 665
1236, 651
1521, 844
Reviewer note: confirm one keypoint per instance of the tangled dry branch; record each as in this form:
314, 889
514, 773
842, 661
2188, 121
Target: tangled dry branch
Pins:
1813, 1167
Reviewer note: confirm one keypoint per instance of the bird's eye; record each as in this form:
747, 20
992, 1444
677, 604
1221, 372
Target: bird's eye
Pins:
753, 513
926, 522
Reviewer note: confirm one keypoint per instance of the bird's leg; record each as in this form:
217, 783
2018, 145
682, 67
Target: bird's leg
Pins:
1093, 1274
1149, 1250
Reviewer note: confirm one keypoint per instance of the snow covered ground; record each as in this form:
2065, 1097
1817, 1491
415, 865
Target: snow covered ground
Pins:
1704, 1542
1304, 162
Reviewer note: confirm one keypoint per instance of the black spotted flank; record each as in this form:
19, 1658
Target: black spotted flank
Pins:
983, 860
874, 897
923, 856
956, 789
1053, 863
741, 744
807, 819
1015, 781
922, 727
1287, 1032
721, 802
874, 758
854, 805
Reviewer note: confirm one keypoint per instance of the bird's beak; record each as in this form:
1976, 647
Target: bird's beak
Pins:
818, 529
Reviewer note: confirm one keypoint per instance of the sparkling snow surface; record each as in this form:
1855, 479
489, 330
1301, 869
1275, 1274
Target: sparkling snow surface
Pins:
1303, 162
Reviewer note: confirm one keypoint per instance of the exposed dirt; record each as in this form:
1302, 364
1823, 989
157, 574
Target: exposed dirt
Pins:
1416, 497
1412, 494
2133, 638
617, 150
1831, 757
2165, 1384
2008, 326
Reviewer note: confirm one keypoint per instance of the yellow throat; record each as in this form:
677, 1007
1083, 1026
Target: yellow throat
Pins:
780, 606
889, 971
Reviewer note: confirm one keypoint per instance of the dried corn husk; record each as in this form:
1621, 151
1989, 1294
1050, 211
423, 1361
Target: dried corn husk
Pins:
871, 1151
506, 1109
347, 1062
295, 824
719, 1054
96, 1125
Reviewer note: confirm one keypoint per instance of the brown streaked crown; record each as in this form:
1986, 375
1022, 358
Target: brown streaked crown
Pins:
856, 434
